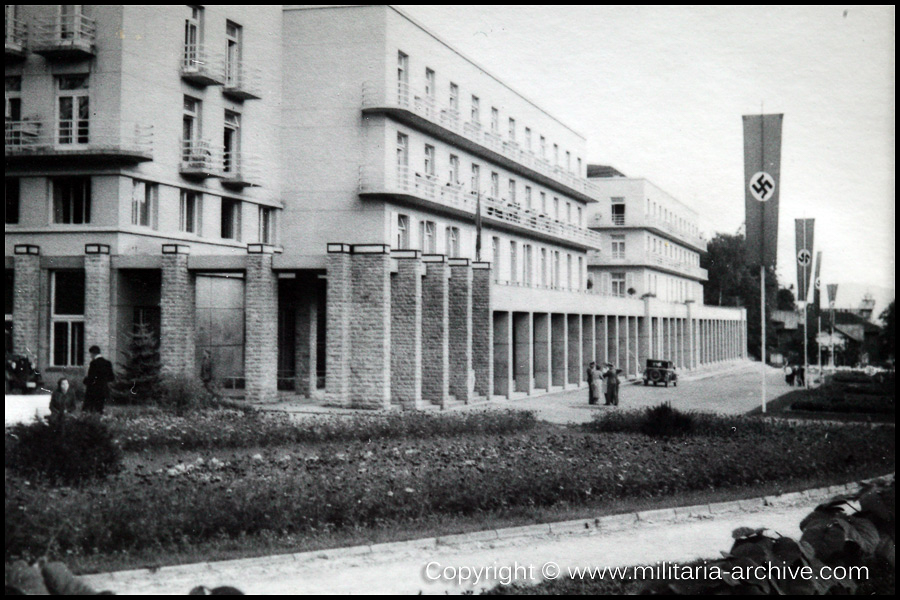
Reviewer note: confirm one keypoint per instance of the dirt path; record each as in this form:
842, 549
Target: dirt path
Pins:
405, 569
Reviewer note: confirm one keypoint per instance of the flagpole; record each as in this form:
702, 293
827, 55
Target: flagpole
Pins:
762, 321
819, 341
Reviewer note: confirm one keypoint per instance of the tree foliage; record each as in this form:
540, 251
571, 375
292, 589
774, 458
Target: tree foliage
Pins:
140, 378
887, 333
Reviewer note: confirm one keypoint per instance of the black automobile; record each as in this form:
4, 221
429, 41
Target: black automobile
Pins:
660, 371
21, 375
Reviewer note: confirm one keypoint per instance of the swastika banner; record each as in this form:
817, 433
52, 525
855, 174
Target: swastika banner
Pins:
817, 284
762, 182
804, 232
832, 294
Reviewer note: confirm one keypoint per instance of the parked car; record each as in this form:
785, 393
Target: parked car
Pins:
660, 371
20, 374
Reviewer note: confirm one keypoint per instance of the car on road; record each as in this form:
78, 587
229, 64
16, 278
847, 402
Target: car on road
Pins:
660, 371
21, 375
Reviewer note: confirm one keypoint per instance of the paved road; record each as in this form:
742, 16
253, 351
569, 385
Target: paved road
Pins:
23, 408
735, 389
406, 571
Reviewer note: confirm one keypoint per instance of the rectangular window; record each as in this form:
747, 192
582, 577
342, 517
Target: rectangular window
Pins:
528, 139
543, 266
67, 318
543, 203
543, 147
193, 36
71, 200
527, 267
476, 111
429, 83
427, 232
402, 241
454, 97
13, 96
231, 219
233, 34
556, 208
513, 263
528, 197
555, 155
232, 142
618, 211
495, 185
495, 254
190, 129
579, 167
580, 273
73, 109
568, 212
568, 161
403, 78
402, 150
512, 191
618, 246
429, 160
475, 182
580, 222
569, 271
454, 169
189, 214
557, 265
453, 242
512, 129
266, 225
12, 201
144, 204
617, 281
495, 120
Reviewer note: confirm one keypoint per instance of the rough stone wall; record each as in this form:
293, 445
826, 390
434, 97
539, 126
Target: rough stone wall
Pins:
435, 333
370, 331
406, 334
26, 305
177, 339
261, 335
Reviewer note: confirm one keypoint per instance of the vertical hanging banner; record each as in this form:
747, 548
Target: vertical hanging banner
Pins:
804, 233
817, 284
762, 181
832, 294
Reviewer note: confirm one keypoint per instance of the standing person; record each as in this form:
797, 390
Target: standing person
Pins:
591, 374
612, 385
62, 401
96, 384
789, 374
800, 376
206, 374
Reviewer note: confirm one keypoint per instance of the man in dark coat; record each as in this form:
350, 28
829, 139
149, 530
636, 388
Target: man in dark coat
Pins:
96, 384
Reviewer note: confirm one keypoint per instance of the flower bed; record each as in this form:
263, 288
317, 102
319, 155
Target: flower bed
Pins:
315, 487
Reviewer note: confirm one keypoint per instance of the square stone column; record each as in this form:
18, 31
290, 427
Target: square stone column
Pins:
635, 352
574, 350
370, 326
503, 354
601, 341
622, 343
97, 301
177, 335
460, 297
338, 312
558, 354
26, 300
612, 338
482, 329
588, 344
690, 344
406, 329
261, 325
541, 353
522, 349
435, 330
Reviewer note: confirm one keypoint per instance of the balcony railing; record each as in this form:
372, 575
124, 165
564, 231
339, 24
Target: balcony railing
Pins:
240, 169
402, 181
84, 138
202, 67
646, 259
201, 159
242, 81
65, 37
16, 36
402, 96
697, 241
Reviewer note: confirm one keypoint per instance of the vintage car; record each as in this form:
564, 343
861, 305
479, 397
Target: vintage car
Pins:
660, 371
20, 375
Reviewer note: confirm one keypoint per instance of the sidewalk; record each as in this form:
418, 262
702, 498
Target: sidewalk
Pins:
671, 535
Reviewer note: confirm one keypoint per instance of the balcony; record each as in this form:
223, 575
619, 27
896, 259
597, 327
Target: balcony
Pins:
426, 190
16, 37
241, 170
660, 226
87, 141
425, 112
201, 160
242, 82
201, 67
648, 260
67, 38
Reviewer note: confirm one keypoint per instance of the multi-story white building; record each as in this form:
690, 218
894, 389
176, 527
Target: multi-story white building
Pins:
298, 189
651, 242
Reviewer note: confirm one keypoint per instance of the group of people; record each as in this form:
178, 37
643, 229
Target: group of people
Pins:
795, 375
603, 381
96, 389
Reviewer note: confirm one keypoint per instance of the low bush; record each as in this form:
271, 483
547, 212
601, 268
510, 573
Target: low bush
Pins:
183, 394
665, 421
70, 451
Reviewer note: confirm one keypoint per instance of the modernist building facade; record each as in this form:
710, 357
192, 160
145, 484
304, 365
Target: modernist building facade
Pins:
299, 191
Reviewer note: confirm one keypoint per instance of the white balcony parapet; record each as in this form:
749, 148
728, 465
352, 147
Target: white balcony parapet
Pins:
94, 136
598, 221
202, 67
403, 181
69, 35
241, 169
646, 259
242, 81
401, 96
16, 38
200, 158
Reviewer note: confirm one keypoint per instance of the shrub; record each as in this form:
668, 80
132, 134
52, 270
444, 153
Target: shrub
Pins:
140, 374
69, 451
665, 421
183, 393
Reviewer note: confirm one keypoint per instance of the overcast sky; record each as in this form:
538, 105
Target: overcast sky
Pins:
659, 93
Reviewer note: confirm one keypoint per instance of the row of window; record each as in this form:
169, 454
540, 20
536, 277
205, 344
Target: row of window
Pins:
453, 104
509, 192
71, 198
195, 149
657, 211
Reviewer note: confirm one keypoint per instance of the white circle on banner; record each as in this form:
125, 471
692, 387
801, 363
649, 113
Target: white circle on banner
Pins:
762, 186
804, 257
818, 283
831, 304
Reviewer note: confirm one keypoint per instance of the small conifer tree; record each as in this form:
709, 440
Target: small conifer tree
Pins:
140, 373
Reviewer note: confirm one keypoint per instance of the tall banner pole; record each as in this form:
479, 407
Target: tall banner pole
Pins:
762, 323
819, 344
